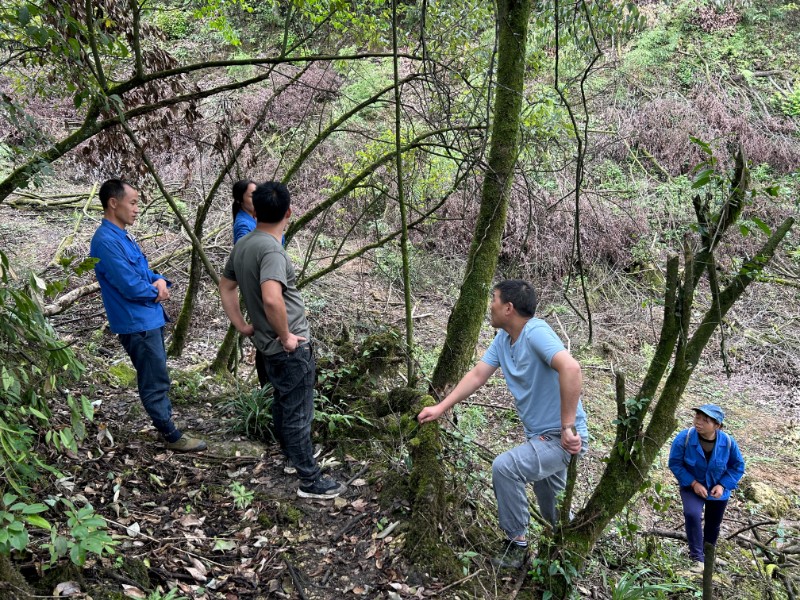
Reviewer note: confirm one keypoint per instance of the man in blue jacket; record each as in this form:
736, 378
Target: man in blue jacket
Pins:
132, 295
707, 464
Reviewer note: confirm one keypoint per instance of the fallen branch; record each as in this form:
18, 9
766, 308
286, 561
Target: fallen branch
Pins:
456, 583
347, 527
296, 580
668, 533
68, 239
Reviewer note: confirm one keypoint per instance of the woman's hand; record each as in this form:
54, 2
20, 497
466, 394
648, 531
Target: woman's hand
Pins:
699, 489
717, 491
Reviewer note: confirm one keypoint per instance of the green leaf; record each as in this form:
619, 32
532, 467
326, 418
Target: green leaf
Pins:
8, 379
744, 229
88, 408
20, 541
77, 555
704, 146
68, 440
23, 15
702, 178
34, 509
38, 413
38, 521
762, 226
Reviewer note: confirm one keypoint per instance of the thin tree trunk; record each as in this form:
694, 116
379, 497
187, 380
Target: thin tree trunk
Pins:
402, 202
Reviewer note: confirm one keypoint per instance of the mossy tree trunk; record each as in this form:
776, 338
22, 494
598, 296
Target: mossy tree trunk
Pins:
181, 329
637, 443
424, 545
468, 313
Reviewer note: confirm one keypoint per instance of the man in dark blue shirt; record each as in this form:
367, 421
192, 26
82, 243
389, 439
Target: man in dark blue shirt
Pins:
132, 295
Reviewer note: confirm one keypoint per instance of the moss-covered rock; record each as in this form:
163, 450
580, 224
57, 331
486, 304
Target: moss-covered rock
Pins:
355, 369
287, 514
771, 501
101, 592
12, 584
123, 374
137, 571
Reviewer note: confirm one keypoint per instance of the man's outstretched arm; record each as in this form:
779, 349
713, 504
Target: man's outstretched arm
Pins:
469, 384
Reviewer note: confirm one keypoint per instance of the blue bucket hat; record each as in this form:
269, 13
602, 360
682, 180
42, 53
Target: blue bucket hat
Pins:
713, 411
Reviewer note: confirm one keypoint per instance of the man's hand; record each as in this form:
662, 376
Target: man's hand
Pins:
291, 342
247, 331
430, 413
161, 288
717, 491
571, 441
699, 489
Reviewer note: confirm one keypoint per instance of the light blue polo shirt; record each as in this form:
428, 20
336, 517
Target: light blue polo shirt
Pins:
530, 378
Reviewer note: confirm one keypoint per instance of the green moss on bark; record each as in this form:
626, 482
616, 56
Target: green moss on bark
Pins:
12, 584
425, 545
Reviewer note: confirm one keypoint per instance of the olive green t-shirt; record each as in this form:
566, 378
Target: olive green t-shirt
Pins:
256, 258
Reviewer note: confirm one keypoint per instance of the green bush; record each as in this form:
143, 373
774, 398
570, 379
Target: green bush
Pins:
36, 365
789, 103
87, 534
173, 22
15, 517
251, 413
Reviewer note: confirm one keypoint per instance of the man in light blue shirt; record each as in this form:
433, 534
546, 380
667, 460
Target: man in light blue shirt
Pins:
132, 295
546, 382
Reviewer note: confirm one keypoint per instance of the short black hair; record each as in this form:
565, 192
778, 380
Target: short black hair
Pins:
112, 188
520, 293
271, 201
239, 189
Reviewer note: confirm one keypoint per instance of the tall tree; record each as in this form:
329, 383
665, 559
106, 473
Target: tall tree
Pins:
467, 315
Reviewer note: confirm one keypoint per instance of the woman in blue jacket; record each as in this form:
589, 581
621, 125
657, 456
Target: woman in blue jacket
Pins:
244, 221
244, 214
707, 464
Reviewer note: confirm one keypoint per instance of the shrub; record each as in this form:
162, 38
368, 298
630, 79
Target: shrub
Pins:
174, 23
36, 365
251, 413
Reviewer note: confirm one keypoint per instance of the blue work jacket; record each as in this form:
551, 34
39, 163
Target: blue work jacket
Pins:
687, 461
242, 225
126, 281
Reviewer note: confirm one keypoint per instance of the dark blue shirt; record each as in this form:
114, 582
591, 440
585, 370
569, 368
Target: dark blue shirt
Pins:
126, 281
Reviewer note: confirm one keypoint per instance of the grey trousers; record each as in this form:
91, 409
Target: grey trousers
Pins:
541, 461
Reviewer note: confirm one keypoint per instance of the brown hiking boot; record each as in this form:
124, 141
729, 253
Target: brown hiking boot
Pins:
186, 443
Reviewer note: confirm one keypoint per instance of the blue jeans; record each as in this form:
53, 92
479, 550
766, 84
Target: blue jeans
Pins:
696, 535
292, 376
541, 461
149, 358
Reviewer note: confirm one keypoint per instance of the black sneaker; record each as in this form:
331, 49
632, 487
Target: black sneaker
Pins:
324, 488
511, 556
